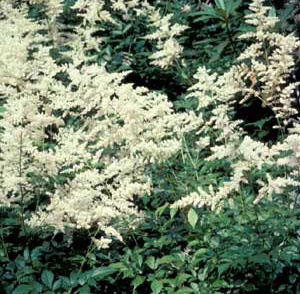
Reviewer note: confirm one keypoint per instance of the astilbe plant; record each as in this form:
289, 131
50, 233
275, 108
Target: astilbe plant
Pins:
263, 74
169, 49
78, 148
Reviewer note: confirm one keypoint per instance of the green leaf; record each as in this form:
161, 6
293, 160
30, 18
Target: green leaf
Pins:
182, 277
127, 28
213, 13
156, 286
201, 251
260, 123
272, 12
192, 217
150, 261
222, 268
184, 290
118, 265
232, 5
202, 18
82, 278
220, 4
193, 243
260, 258
47, 278
140, 260
173, 212
23, 289
166, 259
160, 210
139, 280
38, 288
220, 48
26, 253
102, 272
84, 290
2, 109
57, 284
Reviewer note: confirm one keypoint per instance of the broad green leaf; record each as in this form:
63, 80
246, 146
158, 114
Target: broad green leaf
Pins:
23, 289
166, 259
47, 278
57, 284
160, 210
156, 286
220, 48
84, 290
184, 290
223, 268
2, 109
26, 253
192, 217
139, 280
260, 258
127, 28
272, 12
102, 272
150, 261
193, 243
82, 278
222, 14
201, 251
38, 288
202, 18
232, 5
140, 260
220, 4
212, 12
173, 212
182, 277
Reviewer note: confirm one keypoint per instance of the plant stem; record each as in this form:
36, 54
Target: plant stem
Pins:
229, 34
3, 243
21, 187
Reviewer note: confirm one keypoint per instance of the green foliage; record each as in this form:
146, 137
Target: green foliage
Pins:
246, 249
221, 24
289, 13
33, 262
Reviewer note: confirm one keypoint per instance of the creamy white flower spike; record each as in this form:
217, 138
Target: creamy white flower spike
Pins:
83, 145
260, 75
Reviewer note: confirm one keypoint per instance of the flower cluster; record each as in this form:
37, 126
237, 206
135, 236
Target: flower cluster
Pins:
80, 145
169, 48
263, 74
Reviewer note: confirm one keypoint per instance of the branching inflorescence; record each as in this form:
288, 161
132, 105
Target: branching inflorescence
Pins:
262, 74
81, 145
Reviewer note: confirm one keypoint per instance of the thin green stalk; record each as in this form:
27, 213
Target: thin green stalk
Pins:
229, 34
191, 159
22, 210
297, 192
91, 247
3, 243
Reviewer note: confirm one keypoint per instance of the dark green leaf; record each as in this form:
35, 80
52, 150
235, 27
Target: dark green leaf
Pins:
23, 289
47, 278
139, 280
102, 272
192, 217
150, 261
260, 258
156, 287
